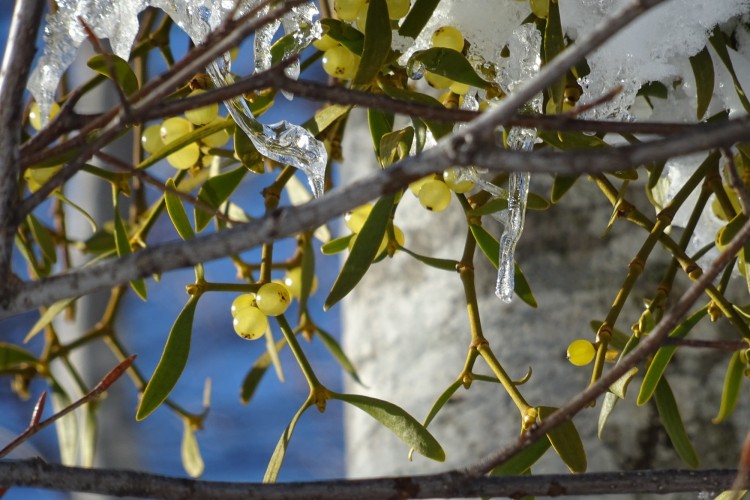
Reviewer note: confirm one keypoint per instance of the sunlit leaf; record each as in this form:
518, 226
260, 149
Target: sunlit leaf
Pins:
172, 361
670, 418
122, 243
732, 387
89, 434
380, 124
338, 353
192, 461
703, 70
377, 44
363, 252
177, 212
395, 145
554, 43
438, 405
620, 386
522, 461
67, 426
400, 423
277, 459
307, 276
451, 64
337, 245
214, 192
116, 69
566, 441
345, 34
443, 264
664, 355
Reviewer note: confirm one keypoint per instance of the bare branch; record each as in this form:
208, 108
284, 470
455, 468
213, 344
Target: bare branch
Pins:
19, 52
37, 473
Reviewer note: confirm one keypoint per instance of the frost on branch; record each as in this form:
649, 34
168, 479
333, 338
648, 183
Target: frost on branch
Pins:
118, 21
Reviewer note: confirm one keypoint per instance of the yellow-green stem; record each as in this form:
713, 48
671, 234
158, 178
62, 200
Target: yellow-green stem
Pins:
299, 355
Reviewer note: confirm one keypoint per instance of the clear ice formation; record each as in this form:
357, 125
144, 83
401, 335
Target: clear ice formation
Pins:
118, 21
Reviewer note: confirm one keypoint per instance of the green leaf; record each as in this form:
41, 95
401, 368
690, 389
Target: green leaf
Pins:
438, 405
395, 146
117, 70
43, 238
417, 18
670, 418
89, 434
703, 70
192, 461
719, 44
214, 192
177, 212
554, 43
565, 441
730, 230
67, 426
400, 423
380, 124
325, 117
608, 405
122, 243
450, 64
274, 465
491, 249
172, 362
560, 186
654, 89
345, 34
338, 354
732, 386
664, 355
12, 356
246, 153
78, 209
522, 462
377, 44
438, 129
337, 245
620, 386
256, 373
443, 264
363, 252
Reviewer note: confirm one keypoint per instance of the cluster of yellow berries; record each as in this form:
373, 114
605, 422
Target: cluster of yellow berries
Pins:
251, 310
356, 218
434, 192
158, 135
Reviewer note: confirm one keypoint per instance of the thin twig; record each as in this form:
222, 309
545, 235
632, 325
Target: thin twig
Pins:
19, 52
722, 345
735, 182
94, 393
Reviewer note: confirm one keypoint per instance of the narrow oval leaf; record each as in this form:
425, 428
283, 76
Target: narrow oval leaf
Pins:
363, 252
664, 355
122, 243
67, 426
325, 117
307, 275
176, 212
451, 64
730, 230
395, 146
718, 42
214, 192
246, 152
554, 43
670, 418
732, 386
416, 20
43, 238
277, 459
441, 400
620, 386
438, 129
338, 354
560, 186
172, 362
117, 70
192, 461
443, 264
345, 34
12, 356
398, 422
256, 373
491, 249
610, 399
380, 124
377, 44
522, 462
89, 434
566, 441
703, 70
337, 245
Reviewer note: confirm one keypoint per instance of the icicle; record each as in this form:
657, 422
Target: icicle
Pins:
118, 21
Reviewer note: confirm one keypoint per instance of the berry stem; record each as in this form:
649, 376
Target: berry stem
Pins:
304, 364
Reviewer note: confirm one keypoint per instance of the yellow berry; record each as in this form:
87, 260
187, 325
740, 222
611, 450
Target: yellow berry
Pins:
250, 323
217, 139
398, 8
437, 81
456, 182
204, 114
35, 117
340, 63
293, 282
273, 299
459, 88
435, 195
151, 139
415, 186
355, 219
449, 38
324, 43
186, 157
241, 302
361, 19
174, 128
346, 10
37, 177
581, 352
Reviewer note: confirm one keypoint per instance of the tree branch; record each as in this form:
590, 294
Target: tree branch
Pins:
37, 473
27, 15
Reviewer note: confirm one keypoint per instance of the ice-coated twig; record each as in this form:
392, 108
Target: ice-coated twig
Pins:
282, 142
